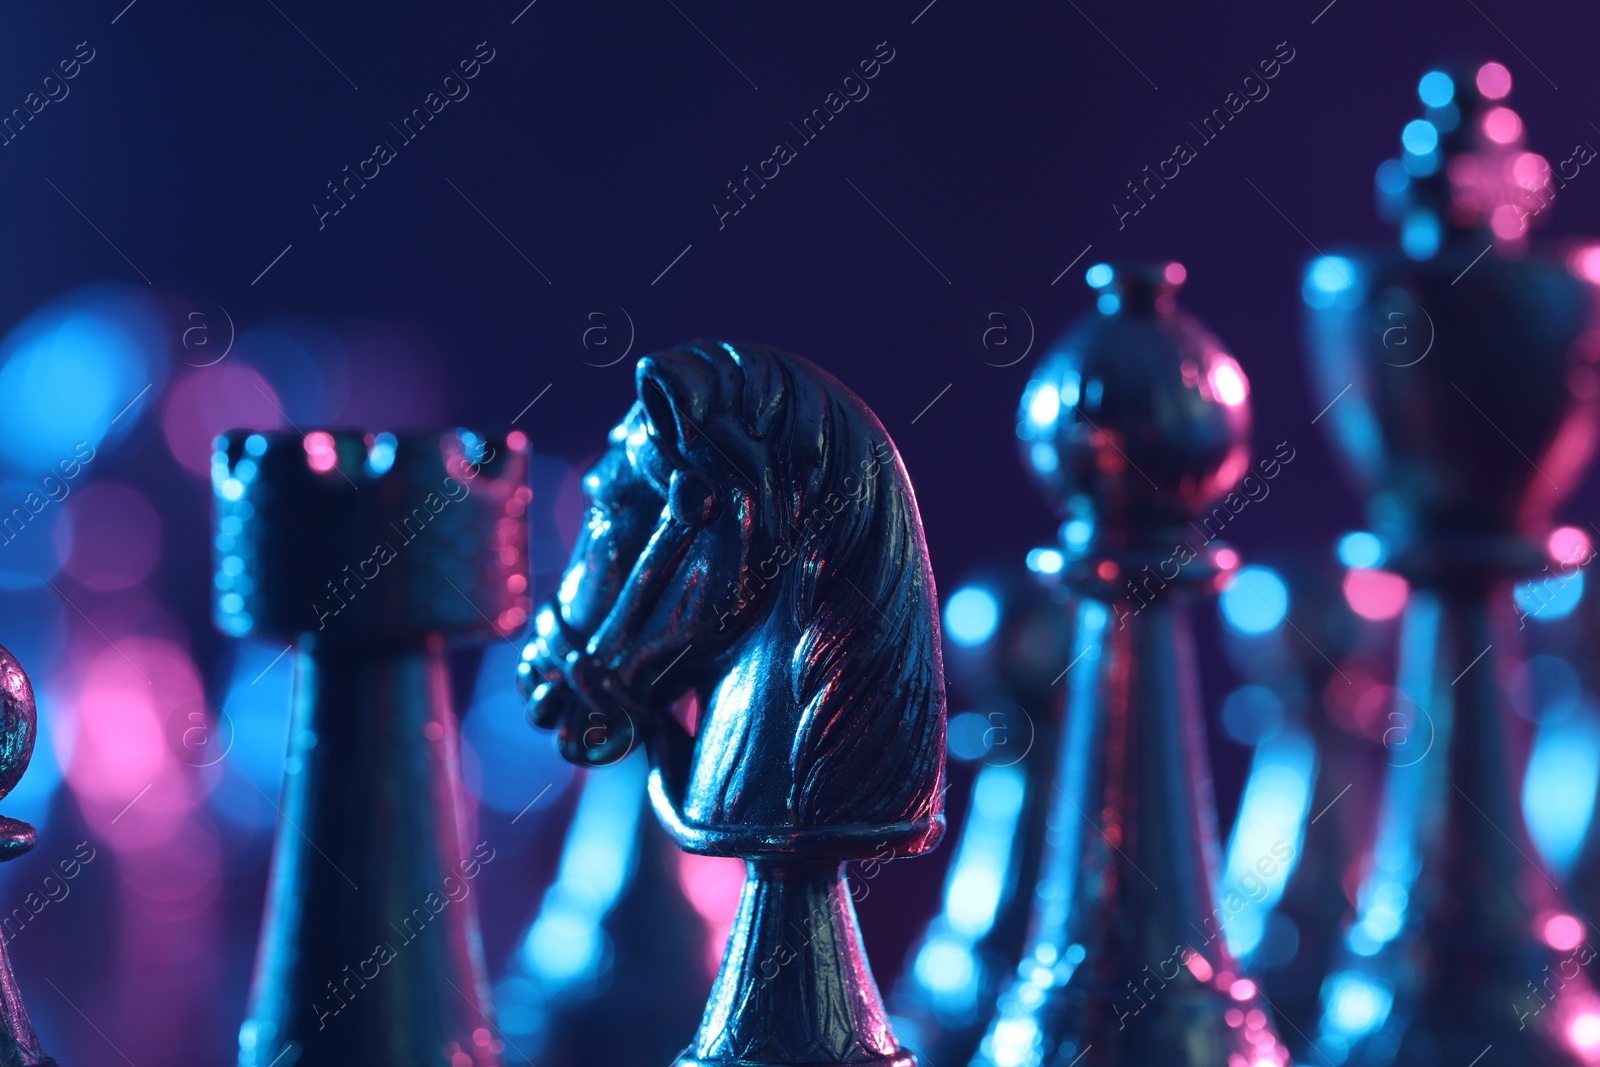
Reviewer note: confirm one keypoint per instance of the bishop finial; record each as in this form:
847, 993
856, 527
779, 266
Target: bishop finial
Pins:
1138, 419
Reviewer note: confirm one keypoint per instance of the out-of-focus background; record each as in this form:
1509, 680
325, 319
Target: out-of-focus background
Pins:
274, 214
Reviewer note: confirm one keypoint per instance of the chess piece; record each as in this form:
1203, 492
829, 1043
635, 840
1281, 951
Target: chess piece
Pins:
1466, 366
753, 537
1007, 636
613, 928
369, 554
19, 1045
1300, 787
1136, 426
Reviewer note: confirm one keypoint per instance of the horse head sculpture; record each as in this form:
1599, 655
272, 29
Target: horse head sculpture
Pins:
752, 538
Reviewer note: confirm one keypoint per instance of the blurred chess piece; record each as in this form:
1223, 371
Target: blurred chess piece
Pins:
1457, 378
753, 538
613, 928
19, 1045
369, 553
1007, 636
1136, 426
1303, 655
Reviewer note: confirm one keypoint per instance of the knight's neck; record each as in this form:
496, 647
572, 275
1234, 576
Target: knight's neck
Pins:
1133, 839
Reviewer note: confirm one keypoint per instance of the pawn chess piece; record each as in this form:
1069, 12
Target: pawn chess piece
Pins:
753, 538
369, 553
19, 1045
1006, 637
1459, 376
1136, 425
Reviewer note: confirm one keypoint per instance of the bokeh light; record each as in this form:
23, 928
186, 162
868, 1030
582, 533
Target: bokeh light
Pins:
1255, 601
116, 537
75, 372
1494, 81
1361, 549
208, 402
1502, 125
1436, 88
1375, 595
971, 616
504, 763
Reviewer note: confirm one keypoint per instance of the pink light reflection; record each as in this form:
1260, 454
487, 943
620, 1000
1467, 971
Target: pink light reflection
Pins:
1569, 544
133, 790
1502, 125
713, 885
1563, 932
1584, 261
1228, 382
210, 401
322, 455
1494, 81
1374, 594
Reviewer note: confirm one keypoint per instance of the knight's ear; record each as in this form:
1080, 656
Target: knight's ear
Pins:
670, 400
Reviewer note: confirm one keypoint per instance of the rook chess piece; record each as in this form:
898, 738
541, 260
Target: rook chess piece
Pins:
753, 538
1136, 425
369, 553
1465, 429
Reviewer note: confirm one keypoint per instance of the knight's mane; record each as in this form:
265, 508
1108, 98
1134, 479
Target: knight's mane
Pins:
866, 672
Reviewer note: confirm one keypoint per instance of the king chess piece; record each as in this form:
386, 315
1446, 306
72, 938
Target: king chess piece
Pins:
19, 718
753, 538
1136, 425
369, 553
1006, 637
1459, 376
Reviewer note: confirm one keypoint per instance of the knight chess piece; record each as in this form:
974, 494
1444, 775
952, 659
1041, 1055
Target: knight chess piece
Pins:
1464, 430
18, 729
1135, 424
753, 540
369, 553
1006, 637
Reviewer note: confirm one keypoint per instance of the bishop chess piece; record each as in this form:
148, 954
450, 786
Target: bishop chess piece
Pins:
753, 538
1136, 426
1006, 637
19, 718
1464, 429
369, 553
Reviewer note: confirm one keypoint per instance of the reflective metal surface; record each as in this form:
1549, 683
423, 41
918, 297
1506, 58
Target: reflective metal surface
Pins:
369, 553
752, 537
19, 718
1463, 448
1136, 424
